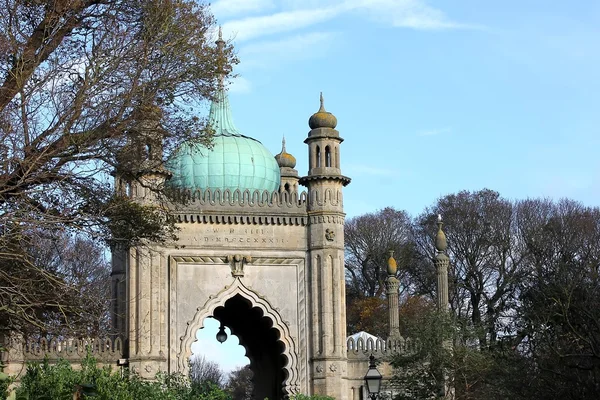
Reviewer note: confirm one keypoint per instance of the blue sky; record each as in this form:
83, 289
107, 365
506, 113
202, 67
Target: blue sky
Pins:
432, 97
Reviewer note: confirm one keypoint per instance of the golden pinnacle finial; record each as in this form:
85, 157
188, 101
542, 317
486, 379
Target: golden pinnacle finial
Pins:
441, 243
392, 266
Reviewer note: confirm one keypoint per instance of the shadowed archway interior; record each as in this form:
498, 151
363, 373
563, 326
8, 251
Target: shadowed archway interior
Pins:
261, 341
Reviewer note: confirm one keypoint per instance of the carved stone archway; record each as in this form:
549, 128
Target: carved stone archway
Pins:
291, 384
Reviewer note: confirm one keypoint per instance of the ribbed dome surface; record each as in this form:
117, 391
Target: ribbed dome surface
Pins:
234, 162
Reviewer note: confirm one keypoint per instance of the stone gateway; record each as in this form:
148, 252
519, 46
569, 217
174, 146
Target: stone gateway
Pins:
263, 258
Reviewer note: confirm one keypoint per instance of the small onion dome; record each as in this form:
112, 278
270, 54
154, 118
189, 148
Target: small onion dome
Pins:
322, 118
392, 267
285, 159
440, 239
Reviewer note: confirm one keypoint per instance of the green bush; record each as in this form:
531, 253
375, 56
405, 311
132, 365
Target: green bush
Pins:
58, 382
313, 397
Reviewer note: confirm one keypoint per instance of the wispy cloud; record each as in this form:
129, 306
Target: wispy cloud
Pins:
434, 132
264, 54
252, 27
413, 14
230, 8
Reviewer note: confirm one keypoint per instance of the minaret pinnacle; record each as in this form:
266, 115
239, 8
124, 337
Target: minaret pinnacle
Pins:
393, 286
441, 261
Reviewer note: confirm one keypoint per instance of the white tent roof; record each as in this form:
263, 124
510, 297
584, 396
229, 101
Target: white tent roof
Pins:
364, 335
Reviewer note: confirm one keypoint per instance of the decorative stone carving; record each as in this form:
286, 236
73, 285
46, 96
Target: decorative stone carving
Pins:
319, 369
333, 367
329, 234
237, 263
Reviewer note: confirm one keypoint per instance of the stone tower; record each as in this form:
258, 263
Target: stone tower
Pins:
328, 360
289, 176
139, 174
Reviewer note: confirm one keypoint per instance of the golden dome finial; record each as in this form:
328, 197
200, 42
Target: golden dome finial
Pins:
392, 266
441, 243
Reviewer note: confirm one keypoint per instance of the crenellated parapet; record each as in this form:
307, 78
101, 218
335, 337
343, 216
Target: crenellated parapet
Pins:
102, 349
187, 198
363, 349
257, 208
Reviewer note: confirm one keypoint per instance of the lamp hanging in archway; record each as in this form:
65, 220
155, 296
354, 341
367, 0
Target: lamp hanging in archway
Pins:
221, 335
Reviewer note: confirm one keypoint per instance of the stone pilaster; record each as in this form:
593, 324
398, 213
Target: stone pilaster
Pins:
441, 264
392, 285
118, 309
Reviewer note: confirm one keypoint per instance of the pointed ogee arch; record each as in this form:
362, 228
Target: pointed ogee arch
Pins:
291, 384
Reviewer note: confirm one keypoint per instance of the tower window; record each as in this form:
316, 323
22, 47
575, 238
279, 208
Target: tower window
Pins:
327, 156
337, 157
318, 157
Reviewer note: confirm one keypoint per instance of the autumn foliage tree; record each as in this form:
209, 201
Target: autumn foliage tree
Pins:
75, 79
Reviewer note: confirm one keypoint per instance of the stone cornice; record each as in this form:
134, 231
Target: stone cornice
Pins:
343, 179
240, 219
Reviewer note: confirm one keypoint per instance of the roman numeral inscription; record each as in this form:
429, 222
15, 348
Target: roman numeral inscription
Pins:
243, 237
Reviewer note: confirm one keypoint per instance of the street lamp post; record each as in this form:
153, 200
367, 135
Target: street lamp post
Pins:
373, 379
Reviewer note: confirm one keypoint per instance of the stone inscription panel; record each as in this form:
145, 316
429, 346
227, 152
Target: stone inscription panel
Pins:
230, 236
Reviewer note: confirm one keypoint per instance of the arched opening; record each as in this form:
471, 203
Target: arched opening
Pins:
327, 156
318, 157
212, 360
287, 187
260, 339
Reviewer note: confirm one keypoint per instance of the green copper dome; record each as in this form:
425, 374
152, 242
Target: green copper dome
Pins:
234, 162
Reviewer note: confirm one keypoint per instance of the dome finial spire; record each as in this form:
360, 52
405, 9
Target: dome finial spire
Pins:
441, 243
322, 118
284, 159
220, 42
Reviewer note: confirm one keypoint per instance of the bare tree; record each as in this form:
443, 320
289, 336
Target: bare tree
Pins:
78, 79
368, 240
203, 370
486, 257
76, 267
